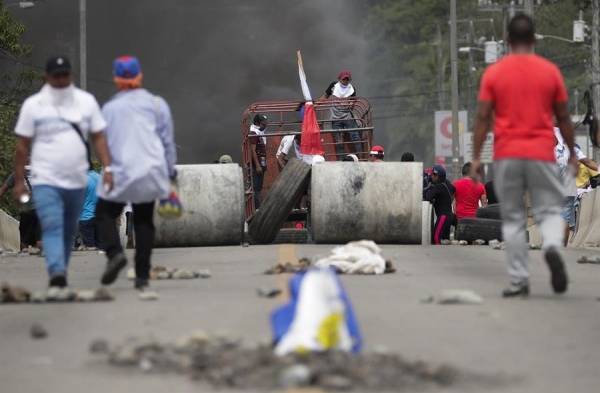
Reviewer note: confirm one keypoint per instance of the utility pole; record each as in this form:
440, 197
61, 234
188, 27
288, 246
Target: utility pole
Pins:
454, 68
83, 44
442, 71
596, 61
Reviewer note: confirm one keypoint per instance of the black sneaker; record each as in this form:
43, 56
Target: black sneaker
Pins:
141, 283
113, 267
515, 290
558, 272
59, 281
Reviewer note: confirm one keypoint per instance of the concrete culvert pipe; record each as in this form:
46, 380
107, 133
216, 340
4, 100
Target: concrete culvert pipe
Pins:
379, 201
213, 201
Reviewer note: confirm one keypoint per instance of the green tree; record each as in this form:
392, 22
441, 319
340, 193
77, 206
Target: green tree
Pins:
15, 83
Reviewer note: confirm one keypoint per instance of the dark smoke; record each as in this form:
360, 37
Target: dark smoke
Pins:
209, 59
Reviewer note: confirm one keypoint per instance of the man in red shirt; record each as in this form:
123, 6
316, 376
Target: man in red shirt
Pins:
524, 92
469, 192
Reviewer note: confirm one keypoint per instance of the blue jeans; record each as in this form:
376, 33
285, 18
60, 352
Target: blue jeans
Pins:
355, 136
58, 210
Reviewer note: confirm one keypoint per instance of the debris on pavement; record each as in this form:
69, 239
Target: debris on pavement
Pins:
360, 257
445, 242
14, 294
535, 246
268, 292
37, 331
225, 363
594, 260
459, 296
159, 272
148, 295
479, 242
463, 243
496, 244
288, 267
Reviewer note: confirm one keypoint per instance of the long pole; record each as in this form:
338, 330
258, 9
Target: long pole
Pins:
596, 60
441, 72
83, 44
454, 70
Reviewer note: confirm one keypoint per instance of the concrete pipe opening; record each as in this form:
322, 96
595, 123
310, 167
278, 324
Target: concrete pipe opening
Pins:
379, 201
213, 200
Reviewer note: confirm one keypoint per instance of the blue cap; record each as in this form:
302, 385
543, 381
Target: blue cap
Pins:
440, 171
126, 67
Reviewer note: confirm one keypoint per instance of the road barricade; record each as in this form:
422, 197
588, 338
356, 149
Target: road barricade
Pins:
587, 231
9, 232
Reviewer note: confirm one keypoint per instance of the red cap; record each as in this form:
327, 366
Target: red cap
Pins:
376, 150
344, 74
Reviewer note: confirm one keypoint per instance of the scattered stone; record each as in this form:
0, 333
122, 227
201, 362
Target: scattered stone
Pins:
85, 295
38, 297
463, 243
148, 295
455, 242
181, 274
479, 242
389, 267
60, 294
288, 267
13, 294
459, 296
496, 244
445, 242
245, 244
34, 251
204, 273
228, 365
103, 295
268, 292
37, 331
131, 274
535, 246
594, 260
99, 346
295, 376
427, 299
163, 275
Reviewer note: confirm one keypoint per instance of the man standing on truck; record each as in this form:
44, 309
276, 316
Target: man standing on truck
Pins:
285, 146
341, 114
258, 149
524, 92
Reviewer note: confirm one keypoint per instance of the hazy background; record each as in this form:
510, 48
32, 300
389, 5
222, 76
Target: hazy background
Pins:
209, 59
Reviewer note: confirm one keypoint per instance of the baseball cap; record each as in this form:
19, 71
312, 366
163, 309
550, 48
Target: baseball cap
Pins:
58, 65
377, 150
345, 74
260, 117
126, 67
439, 170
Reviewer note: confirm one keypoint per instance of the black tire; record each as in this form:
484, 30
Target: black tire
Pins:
471, 229
292, 235
281, 198
490, 211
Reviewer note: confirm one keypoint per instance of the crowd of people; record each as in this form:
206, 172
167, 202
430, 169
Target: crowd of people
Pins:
132, 136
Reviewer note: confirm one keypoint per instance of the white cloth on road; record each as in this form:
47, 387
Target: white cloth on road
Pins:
361, 257
59, 156
140, 140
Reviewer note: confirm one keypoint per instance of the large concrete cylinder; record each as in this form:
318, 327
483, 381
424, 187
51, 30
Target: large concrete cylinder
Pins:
379, 201
213, 200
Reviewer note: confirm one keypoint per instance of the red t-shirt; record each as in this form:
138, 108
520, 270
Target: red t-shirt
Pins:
523, 89
467, 196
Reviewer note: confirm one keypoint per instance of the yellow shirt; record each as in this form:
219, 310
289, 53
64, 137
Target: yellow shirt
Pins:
584, 175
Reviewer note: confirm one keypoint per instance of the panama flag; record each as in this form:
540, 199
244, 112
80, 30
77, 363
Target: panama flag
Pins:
311, 134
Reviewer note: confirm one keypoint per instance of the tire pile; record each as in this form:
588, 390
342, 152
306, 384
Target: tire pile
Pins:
486, 226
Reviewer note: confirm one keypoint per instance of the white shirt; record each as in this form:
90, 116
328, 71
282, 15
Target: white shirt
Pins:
561, 152
58, 156
286, 144
256, 129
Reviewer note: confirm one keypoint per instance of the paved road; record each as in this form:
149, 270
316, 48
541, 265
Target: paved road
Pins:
544, 344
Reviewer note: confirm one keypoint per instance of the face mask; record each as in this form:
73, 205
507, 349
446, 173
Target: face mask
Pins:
61, 96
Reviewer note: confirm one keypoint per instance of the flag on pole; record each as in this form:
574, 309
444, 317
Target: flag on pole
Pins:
311, 133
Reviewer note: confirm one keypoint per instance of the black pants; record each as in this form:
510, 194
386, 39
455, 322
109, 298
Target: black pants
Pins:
87, 231
106, 225
441, 229
257, 185
29, 228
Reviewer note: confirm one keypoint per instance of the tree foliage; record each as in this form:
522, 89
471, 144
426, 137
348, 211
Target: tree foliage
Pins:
15, 83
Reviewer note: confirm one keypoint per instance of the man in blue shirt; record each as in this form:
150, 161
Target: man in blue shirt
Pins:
87, 220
